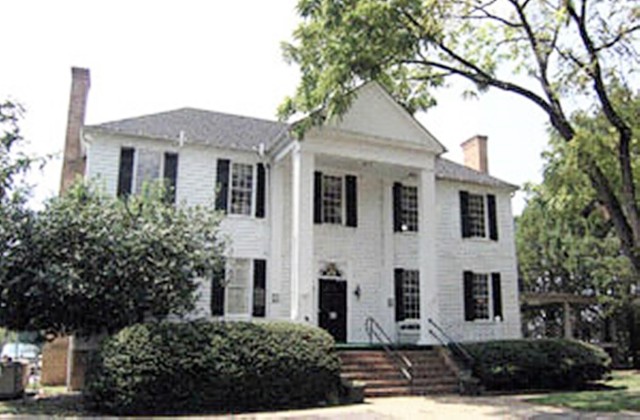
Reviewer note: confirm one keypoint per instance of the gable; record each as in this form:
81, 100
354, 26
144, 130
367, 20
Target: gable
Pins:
375, 113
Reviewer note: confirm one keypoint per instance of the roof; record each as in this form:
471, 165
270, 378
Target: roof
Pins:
246, 133
446, 169
201, 127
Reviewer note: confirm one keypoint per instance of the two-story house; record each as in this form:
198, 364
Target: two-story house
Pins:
362, 217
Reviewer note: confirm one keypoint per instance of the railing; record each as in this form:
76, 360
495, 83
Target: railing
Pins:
458, 351
375, 330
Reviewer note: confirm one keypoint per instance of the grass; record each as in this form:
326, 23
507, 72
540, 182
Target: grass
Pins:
621, 393
50, 401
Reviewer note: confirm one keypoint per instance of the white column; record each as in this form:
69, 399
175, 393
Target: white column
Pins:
275, 198
427, 214
302, 260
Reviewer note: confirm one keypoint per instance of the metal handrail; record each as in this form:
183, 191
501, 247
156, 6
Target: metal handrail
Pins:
373, 328
456, 348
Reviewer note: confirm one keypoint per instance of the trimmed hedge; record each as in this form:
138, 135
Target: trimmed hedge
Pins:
169, 368
538, 364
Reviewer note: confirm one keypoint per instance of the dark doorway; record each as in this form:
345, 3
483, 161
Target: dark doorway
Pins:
333, 308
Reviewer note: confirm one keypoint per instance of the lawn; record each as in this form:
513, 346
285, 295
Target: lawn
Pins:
51, 402
621, 393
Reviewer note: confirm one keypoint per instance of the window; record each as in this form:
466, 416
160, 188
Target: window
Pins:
331, 199
235, 185
241, 188
335, 199
407, 286
141, 166
234, 293
405, 208
483, 296
477, 213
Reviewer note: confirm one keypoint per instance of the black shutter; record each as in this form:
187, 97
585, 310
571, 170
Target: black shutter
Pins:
217, 291
397, 207
399, 298
171, 175
222, 184
125, 174
352, 200
469, 303
493, 220
497, 295
260, 193
317, 197
464, 214
259, 287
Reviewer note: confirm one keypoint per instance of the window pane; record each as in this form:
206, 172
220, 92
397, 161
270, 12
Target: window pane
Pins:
481, 295
476, 215
332, 199
411, 294
147, 167
237, 289
409, 208
241, 188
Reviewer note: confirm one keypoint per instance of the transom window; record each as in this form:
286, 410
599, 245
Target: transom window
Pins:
409, 208
411, 294
241, 188
331, 199
481, 295
476, 215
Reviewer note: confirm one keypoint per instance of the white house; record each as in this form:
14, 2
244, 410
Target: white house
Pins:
360, 218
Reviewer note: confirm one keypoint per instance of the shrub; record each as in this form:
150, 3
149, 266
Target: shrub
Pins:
190, 367
537, 364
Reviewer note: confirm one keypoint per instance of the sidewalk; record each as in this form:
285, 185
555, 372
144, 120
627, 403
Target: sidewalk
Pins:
438, 407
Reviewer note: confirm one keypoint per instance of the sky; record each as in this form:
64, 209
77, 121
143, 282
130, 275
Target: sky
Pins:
152, 56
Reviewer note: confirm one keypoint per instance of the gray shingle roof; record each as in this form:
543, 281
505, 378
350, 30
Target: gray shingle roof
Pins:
246, 133
201, 127
446, 169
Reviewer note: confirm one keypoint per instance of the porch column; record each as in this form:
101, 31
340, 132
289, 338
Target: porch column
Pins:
302, 275
427, 254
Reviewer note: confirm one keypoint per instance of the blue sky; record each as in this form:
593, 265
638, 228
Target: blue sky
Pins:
150, 56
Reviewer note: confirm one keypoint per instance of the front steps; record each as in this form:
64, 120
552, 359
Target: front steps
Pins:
431, 374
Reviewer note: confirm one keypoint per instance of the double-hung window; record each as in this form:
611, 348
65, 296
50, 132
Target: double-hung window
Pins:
478, 217
241, 188
239, 289
335, 199
142, 166
407, 294
405, 208
482, 296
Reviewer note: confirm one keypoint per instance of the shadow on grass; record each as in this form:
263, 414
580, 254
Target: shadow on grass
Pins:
55, 405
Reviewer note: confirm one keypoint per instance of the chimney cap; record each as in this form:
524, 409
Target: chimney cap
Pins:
79, 73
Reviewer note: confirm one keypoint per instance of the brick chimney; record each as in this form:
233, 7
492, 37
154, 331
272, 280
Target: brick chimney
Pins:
73, 163
475, 153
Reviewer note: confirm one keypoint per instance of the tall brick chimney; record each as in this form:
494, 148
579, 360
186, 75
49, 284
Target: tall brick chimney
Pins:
73, 163
475, 153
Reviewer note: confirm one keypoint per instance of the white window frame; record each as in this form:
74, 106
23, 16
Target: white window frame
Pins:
403, 209
405, 294
252, 196
343, 198
230, 274
136, 159
474, 221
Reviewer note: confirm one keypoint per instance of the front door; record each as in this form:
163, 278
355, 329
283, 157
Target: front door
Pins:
333, 308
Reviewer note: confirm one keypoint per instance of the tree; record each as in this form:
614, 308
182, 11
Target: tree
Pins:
556, 54
565, 237
90, 263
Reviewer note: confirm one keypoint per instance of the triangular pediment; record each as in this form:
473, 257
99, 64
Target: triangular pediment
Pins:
375, 113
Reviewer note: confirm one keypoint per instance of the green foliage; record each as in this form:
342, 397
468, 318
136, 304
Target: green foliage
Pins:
90, 263
537, 364
191, 367
13, 162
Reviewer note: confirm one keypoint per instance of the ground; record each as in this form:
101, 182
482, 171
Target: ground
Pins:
620, 399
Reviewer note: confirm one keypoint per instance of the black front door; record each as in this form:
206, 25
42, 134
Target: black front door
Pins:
333, 308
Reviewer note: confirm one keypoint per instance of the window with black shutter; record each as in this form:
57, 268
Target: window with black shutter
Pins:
405, 208
259, 287
171, 175
218, 282
335, 199
222, 184
482, 296
125, 173
260, 191
477, 212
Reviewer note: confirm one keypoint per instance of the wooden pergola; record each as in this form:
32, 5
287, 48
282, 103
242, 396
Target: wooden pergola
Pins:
567, 300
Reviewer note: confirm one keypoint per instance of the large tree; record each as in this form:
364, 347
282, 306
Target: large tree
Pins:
561, 55
565, 237
89, 263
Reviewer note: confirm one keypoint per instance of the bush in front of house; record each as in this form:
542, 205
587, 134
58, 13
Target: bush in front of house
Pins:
169, 368
538, 364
